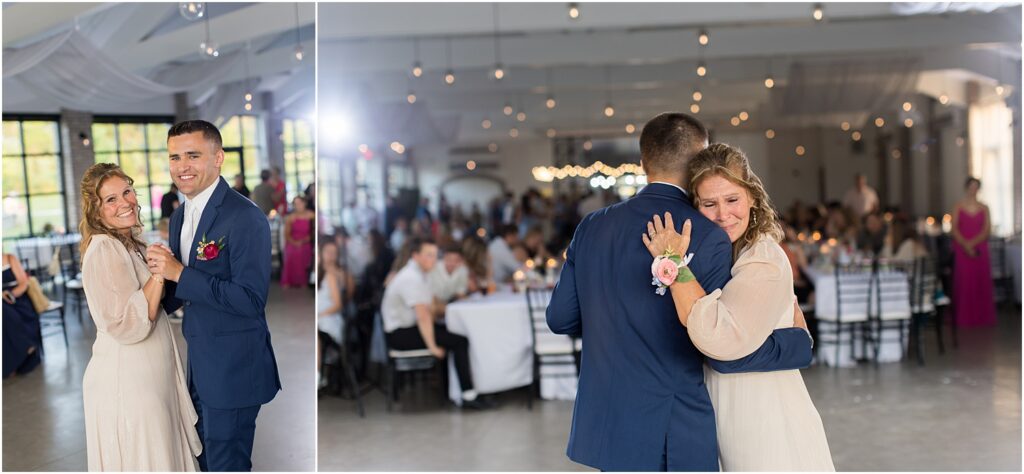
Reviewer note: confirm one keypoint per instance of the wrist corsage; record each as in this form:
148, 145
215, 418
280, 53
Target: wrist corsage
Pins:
670, 268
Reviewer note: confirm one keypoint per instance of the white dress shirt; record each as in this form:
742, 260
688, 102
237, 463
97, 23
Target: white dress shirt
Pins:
190, 221
503, 261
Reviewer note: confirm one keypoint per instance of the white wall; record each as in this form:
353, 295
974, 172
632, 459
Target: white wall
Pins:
514, 162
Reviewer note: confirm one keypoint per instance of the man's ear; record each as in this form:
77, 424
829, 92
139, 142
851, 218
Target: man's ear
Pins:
218, 158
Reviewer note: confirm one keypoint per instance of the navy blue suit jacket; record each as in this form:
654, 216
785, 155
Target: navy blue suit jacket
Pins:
641, 404
230, 359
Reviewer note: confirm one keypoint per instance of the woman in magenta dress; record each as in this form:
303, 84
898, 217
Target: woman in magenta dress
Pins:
973, 300
298, 249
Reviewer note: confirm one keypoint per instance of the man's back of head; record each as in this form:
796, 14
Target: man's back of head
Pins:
668, 141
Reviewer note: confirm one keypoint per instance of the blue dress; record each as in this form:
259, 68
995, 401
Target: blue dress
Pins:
21, 331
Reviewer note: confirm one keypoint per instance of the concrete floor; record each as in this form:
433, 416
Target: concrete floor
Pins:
43, 419
959, 412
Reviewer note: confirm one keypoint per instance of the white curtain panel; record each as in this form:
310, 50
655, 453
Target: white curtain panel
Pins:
71, 70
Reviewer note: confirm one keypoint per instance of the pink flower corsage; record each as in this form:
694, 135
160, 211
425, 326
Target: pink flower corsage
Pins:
665, 270
209, 250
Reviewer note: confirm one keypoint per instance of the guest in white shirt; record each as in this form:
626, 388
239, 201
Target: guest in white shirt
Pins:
861, 199
503, 261
449, 281
410, 325
400, 233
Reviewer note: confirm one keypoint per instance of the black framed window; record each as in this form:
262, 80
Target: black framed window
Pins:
300, 166
242, 149
34, 199
139, 146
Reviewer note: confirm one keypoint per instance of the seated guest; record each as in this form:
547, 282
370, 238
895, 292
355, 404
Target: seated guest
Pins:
903, 242
503, 261
21, 322
449, 281
533, 242
240, 186
400, 233
872, 237
334, 288
478, 263
410, 325
802, 286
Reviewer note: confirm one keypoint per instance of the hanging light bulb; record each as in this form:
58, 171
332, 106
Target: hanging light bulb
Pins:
694, 108
449, 74
702, 69
609, 110
769, 82
999, 90
507, 110
907, 106
192, 11
551, 133
574, 11
845, 126
630, 128
744, 116
855, 136
499, 72
492, 147
299, 54
697, 96
209, 49
449, 77
411, 97
248, 96
550, 103
879, 122
514, 133
521, 116
735, 121
908, 123
943, 99
769, 134
800, 150
486, 124
702, 37
417, 69
248, 107
819, 12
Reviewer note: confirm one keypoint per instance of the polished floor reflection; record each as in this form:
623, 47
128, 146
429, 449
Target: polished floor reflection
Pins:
959, 412
43, 419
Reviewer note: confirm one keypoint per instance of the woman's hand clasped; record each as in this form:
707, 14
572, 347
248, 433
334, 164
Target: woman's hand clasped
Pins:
662, 237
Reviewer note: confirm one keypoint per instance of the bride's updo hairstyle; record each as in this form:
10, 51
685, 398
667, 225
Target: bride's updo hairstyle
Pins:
730, 163
91, 224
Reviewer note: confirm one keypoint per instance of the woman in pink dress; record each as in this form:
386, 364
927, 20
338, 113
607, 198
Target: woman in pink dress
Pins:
298, 249
973, 300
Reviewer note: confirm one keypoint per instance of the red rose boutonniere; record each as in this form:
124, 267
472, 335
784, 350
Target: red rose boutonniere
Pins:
209, 250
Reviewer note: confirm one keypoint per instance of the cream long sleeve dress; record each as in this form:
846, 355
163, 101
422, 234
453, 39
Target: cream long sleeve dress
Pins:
766, 420
138, 412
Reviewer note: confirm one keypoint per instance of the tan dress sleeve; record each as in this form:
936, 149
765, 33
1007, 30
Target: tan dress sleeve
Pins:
731, 323
114, 292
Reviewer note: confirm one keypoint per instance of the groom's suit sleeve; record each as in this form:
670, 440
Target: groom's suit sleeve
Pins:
785, 349
563, 313
245, 293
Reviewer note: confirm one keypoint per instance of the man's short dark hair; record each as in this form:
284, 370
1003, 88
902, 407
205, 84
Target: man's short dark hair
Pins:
264, 175
669, 140
209, 131
508, 229
416, 244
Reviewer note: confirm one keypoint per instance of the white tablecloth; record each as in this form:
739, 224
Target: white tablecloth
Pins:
38, 251
501, 357
897, 302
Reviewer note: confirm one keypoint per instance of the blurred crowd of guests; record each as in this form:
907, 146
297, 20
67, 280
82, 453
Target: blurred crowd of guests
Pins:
860, 226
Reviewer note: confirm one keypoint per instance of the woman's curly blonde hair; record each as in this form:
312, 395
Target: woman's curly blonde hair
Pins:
91, 224
720, 159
